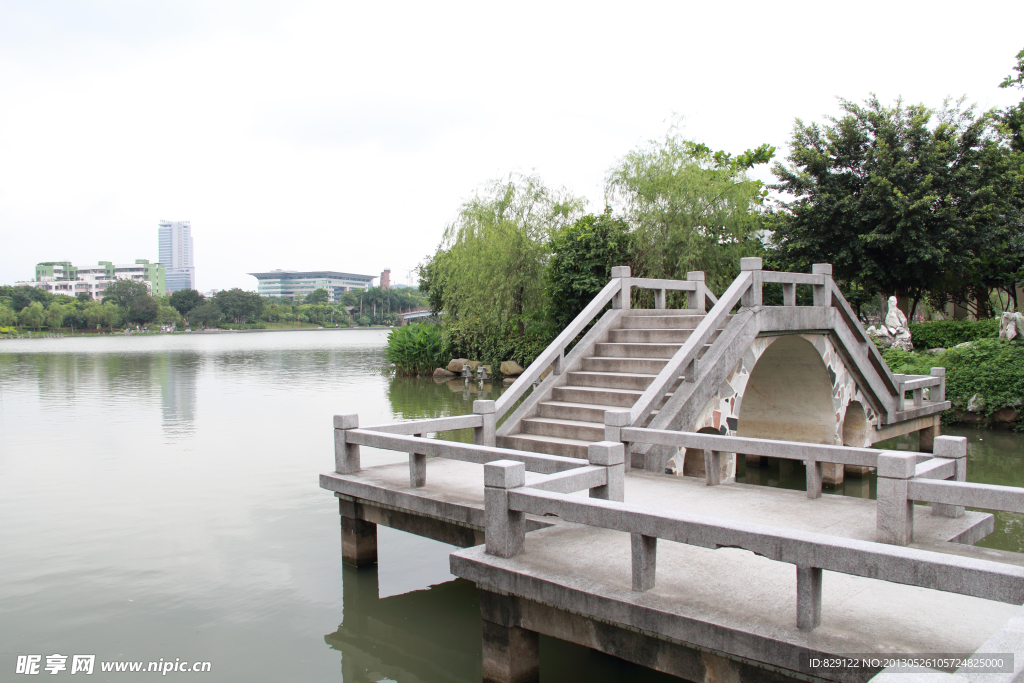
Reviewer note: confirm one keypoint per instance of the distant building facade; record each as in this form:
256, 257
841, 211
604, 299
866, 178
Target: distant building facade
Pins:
177, 254
291, 284
63, 277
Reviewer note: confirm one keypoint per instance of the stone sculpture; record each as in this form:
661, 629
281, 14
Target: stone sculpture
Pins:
893, 332
1011, 326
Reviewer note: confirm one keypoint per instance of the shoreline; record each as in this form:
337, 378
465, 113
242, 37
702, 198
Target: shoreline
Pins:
176, 334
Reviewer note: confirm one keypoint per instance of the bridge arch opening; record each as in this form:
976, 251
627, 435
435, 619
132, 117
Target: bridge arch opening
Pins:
855, 426
789, 395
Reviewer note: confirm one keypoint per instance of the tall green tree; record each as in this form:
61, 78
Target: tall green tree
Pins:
206, 314
55, 315
32, 315
184, 300
124, 293
690, 208
239, 305
582, 256
318, 296
7, 316
900, 200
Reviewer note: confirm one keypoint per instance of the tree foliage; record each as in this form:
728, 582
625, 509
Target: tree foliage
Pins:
582, 257
239, 305
690, 208
184, 300
898, 199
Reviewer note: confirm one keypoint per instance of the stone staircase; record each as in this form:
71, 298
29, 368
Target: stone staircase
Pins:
614, 376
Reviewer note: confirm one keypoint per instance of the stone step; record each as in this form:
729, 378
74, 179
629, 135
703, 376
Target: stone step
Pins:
621, 398
661, 312
552, 445
610, 380
649, 336
666, 322
564, 410
639, 350
642, 366
566, 429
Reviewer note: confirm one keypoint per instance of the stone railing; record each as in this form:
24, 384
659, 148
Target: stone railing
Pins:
508, 499
935, 382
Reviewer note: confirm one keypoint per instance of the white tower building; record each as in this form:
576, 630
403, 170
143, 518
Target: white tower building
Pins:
177, 255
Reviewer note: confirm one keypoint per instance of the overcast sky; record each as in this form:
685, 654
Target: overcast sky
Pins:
344, 136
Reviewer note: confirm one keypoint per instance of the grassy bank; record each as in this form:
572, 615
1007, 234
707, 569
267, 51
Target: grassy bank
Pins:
984, 379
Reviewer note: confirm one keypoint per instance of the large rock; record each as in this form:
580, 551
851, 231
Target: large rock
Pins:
455, 365
473, 364
442, 373
510, 368
1011, 326
894, 332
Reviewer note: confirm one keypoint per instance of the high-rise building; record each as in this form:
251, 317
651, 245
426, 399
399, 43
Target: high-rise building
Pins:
177, 255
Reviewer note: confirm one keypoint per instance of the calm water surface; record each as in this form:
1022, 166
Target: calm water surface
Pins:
159, 500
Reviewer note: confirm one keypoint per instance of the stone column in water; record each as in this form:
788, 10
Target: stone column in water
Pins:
358, 537
511, 653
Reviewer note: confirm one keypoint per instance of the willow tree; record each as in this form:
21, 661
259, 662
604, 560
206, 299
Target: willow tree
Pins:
487, 276
690, 208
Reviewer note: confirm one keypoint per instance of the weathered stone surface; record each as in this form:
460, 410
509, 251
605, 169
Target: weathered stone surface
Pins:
508, 380
455, 365
893, 332
1011, 325
511, 368
473, 364
441, 372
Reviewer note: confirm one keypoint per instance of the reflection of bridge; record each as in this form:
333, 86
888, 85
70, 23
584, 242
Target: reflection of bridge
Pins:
655, 392
413, 316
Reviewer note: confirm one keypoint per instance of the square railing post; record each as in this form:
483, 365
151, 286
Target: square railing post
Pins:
788, 294
699, 300
823, 292
484, 434
417, 468
712, 467
938, 393
645, 551
954, 448
614, 421
621, 299
659, 298
346, 455
504, 529
808, 598
814, 477
610, 455
752, 297
894, 522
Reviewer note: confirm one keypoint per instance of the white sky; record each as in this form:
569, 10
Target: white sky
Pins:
344, 136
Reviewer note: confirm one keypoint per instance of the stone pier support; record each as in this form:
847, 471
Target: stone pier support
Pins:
926, 437
358, 537
511, 653
831, 474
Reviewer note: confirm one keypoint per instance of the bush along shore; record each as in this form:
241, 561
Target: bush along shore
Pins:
984, 375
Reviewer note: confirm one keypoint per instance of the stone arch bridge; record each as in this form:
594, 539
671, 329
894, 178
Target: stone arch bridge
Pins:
731, 366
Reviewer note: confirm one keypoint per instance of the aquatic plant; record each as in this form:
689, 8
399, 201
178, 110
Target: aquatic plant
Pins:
417, 348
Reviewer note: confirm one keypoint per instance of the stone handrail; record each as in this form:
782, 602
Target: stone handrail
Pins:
917, 384
555, 352
685, 358
507, 500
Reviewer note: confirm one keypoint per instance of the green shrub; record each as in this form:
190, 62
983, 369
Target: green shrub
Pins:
417, 348
948, 333
476, 343
991, 369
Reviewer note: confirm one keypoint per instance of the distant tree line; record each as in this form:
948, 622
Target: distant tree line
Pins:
128, 303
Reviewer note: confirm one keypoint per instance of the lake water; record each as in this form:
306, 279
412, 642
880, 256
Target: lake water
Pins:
159, 500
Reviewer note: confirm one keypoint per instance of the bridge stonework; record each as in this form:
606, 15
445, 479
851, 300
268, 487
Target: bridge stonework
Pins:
722, 414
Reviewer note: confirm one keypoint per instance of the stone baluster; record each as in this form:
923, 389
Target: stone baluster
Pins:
504, 529
808, 598
752, 297
954, 448
644, 551
895, 511
712, 467
814, 478
621, 299
938, 393
788, 294
346, 455
609, 454
659, 298
484, 435
417, 468
614, 421
699, 300
823, 292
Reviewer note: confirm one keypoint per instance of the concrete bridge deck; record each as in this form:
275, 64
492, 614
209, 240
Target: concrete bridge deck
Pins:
453, 496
